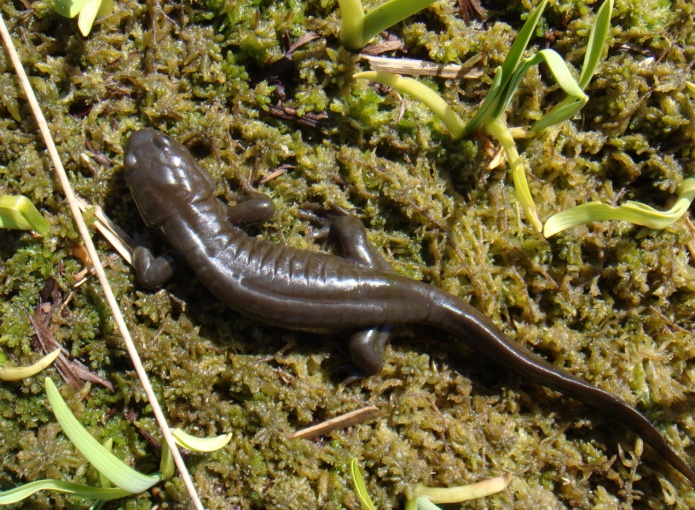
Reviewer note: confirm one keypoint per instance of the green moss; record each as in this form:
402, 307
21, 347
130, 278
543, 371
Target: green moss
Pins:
600, 301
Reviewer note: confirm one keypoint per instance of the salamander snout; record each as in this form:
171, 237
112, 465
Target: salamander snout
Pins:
145, 145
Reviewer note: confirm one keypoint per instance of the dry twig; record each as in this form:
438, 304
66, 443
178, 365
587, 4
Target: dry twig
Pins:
340, 422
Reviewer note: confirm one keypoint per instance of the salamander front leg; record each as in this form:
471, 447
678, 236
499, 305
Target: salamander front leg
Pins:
251, 209
349, 233
152, 272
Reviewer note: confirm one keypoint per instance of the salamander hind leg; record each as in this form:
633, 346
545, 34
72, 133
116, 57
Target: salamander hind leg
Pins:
368, 352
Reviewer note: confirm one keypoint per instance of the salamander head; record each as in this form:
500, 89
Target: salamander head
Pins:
162, 176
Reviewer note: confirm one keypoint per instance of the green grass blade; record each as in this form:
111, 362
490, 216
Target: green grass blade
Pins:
518, 48
634, 212
17, 212
566, 109
390, 13
20, 493
104, 461
513, 84
490, 103
501, 92
597, 40
352, 23
89, 13
167, 468
420, 92
463, 492
360, 487
562, 74
569, 106
103, 481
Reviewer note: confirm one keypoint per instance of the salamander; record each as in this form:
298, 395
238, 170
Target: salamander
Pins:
357, 292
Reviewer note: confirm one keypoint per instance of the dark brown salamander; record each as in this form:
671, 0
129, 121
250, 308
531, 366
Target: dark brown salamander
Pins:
311, 291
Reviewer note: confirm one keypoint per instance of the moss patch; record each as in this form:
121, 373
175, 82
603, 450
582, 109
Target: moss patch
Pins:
606, 302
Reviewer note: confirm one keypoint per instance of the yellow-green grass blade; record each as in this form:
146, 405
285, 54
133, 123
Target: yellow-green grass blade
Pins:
200, 444
20, 493
634, 212
420, 92
18, 373
17, 212
360, 487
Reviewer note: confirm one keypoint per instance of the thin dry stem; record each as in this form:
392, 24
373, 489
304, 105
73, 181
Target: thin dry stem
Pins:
416, 67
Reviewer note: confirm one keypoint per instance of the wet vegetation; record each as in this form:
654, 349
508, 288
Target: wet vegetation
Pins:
610, 302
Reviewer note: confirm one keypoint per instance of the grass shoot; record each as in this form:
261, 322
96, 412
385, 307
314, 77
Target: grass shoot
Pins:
18, 373
357, 28
17, 212
634, 212
489, 119
89, 11
426, 497
112, 470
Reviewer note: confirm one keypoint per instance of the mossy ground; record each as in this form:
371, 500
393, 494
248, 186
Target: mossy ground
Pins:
611, 303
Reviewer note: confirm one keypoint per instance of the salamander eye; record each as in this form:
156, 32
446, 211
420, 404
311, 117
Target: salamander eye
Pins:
162, 142
131, 162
